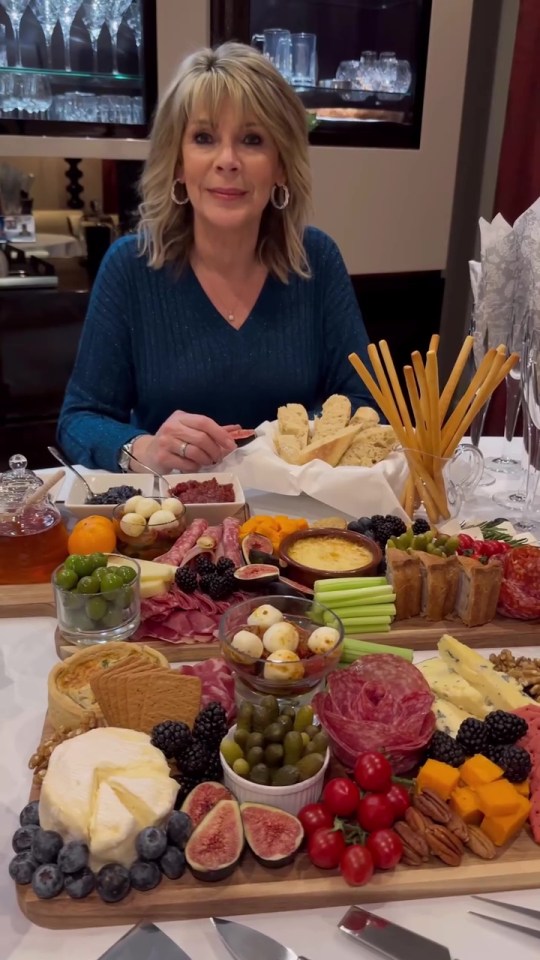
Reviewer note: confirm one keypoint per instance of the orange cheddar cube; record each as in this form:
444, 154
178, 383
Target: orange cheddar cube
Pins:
497, 799
501, 830
439, 777
479, 770
523, 788
465, 803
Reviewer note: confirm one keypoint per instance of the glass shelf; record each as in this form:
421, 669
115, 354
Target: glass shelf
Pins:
75, 74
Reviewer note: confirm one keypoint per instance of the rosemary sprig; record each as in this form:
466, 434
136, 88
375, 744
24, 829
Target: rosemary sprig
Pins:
491, 531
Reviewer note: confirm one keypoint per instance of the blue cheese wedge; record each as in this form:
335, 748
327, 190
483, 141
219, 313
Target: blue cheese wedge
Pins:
500, 691
448, 718
448, 685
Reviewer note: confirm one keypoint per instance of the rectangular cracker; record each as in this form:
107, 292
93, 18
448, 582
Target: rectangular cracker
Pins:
170, 696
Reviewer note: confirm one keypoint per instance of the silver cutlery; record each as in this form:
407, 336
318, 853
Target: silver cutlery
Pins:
389, 939
522, 911
145, 942
244, 943
61, 459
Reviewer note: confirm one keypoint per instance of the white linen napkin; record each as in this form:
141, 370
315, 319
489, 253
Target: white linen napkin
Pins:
527, 232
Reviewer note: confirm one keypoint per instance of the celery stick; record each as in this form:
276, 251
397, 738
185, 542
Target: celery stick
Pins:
323, 585
346, 608
376, 610
327, 599
353, 622
353, 649
354, 632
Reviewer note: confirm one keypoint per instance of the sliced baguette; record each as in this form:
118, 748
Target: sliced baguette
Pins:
288, 447
336, 413
293, 420
366, 416
330, 450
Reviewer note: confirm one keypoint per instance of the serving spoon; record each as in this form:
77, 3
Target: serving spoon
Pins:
61, 459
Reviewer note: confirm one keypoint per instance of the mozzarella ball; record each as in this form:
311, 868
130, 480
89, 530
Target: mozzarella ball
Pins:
132, 524
247, 642
283, 665
161, 518
174, 505
323, 639
132, 505
147, 506
281, 636
264, 616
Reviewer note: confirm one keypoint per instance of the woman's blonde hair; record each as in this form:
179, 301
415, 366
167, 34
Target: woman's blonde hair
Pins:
241, 74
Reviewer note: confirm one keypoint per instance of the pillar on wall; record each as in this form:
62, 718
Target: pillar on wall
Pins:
74, 189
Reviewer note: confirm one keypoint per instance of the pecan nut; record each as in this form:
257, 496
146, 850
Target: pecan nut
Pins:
416, 820
458, 827
444, 845
430, 804
410, 857
414, 844
480, 844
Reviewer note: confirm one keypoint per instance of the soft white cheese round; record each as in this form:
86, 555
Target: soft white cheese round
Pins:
283, 665
323, 639
281, 636
247, 642
132, 524
147, 506
264, 616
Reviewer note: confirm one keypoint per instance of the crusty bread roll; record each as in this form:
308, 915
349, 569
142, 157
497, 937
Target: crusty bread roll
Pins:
293, 421
288, 447
330, 450
372, 445
365, 416
336, 413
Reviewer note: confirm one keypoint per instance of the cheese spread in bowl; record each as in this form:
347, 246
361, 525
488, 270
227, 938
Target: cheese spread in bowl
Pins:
318, 554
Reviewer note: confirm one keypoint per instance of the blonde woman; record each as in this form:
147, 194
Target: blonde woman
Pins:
226, 304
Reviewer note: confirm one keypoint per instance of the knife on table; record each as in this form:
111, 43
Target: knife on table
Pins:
389, 939
145, 942
244, 943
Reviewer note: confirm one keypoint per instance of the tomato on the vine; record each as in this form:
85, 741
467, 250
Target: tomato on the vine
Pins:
340, 795
386, 848
372, 771
356, 865
314, 817
398, 795
326, 847
375, 811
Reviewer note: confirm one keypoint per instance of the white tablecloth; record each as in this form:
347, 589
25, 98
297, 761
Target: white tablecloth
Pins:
26, 656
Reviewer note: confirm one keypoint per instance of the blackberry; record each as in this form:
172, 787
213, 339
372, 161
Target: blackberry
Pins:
493, 751
204, 565
186, 579
195, 760
472, 736
211, 725
382, 531
420, 526
185, 786
219, 588
224, 564
444, 748
515, 762
205, 582
214, 771
505, 727
172, 738
398, 526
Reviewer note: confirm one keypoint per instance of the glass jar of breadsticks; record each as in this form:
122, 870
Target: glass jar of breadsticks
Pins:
430, 424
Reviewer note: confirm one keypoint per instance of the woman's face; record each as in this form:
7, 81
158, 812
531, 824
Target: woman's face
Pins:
228, 169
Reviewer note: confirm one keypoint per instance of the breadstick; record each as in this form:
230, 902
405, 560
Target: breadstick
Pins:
455, 377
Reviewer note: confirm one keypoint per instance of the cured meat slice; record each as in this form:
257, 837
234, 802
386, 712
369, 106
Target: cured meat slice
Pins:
231, 540
519, 596
381, 702
217, 683
185, 542
207, 543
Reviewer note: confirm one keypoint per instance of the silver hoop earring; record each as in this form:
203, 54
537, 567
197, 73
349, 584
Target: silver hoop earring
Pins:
174, 198
285, 196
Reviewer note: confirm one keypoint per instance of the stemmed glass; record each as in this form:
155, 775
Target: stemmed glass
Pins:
114, 12
133, 20
15, 11
46, 13
93, 19
479, 351
66, 15
505, 463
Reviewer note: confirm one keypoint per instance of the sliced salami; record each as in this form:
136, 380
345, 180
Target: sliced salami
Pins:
185, 542
519, 596
231, 540
217, 683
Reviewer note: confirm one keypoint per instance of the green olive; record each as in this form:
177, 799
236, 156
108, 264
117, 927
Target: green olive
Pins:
231, 751
275, 732
286, 776
286, 721
241, 737
99, 560
128, 574
303, 718
65, 578
254, 740
312, 730
260, 774
88, 585
271, 705
305, 738
260, 718
245, 716
320, 742
273, 754
293, 746
241, 767
288, 711
308, 766
113, 618
255, 756
96, 608
310, 748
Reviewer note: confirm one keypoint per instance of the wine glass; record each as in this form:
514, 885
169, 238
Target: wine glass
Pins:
94, 19
46, 13
114, 12
66, 15
133, 20
505, 463
42, 95
15, 11
530, 520
480, 348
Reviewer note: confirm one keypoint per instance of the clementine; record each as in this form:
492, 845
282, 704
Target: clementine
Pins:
92, 535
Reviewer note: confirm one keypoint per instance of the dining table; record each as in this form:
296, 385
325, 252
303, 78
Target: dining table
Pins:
27, 653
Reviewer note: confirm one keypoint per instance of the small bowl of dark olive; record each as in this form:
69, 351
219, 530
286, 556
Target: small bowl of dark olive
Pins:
108, 490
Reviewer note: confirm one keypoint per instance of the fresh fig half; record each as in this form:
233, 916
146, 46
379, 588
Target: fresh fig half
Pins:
203, 798
256, 574
241, 437
215, 846
272, 835
255, 541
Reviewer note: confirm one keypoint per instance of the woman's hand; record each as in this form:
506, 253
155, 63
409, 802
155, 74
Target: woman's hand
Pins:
186, 442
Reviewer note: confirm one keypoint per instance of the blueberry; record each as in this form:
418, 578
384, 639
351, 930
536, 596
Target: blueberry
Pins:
73, 857
112, 882
23, 837
47, 881
144, 875
29, 814
78, 885
173, 863
179, 828
22, 867
46, 845
151, 843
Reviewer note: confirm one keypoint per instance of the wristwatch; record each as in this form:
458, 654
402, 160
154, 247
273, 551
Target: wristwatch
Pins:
125, 455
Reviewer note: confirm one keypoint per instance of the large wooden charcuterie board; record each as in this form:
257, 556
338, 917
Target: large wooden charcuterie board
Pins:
416, 634
253, 888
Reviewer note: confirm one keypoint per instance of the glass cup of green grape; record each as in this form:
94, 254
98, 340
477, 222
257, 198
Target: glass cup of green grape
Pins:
97, 598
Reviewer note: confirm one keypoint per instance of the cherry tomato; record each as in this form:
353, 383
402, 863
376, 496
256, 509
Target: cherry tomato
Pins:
372, 771
466, 542
375, 811
356, 865
398, 796
314, 817
340, 795
386, 849
326, 847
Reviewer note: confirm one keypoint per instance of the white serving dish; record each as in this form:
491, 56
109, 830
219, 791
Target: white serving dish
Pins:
291, 799
212, 512
100, 482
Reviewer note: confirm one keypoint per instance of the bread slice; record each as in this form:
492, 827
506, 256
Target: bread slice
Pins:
440, 579
336, 413
404, 574
293, 420
288, 447
366, 416
478, 590
330, 450
372, 445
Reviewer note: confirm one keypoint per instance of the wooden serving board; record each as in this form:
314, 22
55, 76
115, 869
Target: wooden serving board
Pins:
253, 888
